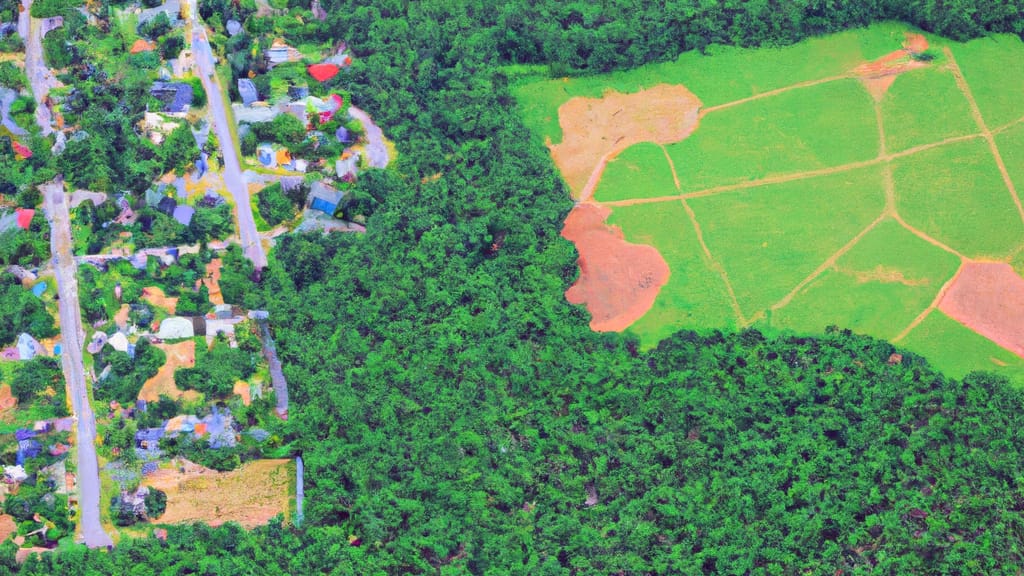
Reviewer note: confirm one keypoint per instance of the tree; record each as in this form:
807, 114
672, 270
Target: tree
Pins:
179, 150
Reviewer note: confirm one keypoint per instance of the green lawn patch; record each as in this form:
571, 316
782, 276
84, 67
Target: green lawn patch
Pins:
1011, 148
874, 288
994, 68
640, 171
695, 296
925, 106
956, 194
806, 129
957, 350
770, 238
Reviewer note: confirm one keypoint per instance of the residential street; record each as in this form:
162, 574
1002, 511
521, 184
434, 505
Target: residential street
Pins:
39, 76
72, 337
376, 152
231, 170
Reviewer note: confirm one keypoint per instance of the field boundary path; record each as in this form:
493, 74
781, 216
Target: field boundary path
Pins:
961, 83
72, 336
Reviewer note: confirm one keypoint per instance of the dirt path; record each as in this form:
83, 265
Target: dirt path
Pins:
776, 92
961, 82
923, 236
935, 304
671, 166
783, 178
716, 266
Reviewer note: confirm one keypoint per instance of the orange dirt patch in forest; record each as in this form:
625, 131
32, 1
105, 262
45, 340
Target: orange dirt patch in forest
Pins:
250, 495
7, 527
879, 75
988, 297
179, 355
618, 281
595, 130
243, 390
212, 280
121, 317
7, 401
155, 296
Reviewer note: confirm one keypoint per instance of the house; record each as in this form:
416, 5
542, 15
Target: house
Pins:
233, 27
21, 151
167, 205
222, 312
141, 45
324, 198
119, 342
28, 347
183, 214
279, 52
99, 340
298, 92
149, 438
323, 72
24, 217
156, 126
347, 164
175, 327
66, 424
42, 426
342, 135
176, 96
265, 155
247, 90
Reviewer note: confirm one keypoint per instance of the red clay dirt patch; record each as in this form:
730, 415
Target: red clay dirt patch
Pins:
618, 281
212, 281
988, 298
595, 130
179, 355
879, 75
155, 296
7, 527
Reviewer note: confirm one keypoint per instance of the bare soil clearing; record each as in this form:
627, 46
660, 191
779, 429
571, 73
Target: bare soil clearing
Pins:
7, 401
618, 281
879, 75
155, 296
179, 355
988, 298
250, 495
212, 281
7, 527
596, 129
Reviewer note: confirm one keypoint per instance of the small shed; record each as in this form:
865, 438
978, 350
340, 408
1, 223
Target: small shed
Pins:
247, 90
24, 217
323, 72
265, 155
28, 347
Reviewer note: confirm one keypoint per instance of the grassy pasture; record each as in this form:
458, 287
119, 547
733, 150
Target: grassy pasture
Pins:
808, 129
873, 289
770, 238
932, 195
640, 171
924, 106
695, 296
1011, 148
994, 68
956, 350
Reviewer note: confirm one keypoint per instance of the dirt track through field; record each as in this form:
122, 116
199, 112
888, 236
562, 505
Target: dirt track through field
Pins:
716, 265
961, 82
776, 92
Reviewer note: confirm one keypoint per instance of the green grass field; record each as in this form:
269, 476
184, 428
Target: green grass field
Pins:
695, 295
792, 132
640, 171
924, 106
994, 69
931, 190
956, 350
770, 237
873, 289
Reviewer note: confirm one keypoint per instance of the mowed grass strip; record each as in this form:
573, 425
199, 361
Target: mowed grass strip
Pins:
771, 237
877, 288
994, 69
640, 171
957, 350
955, 194
925, 106
811, 128
695, 296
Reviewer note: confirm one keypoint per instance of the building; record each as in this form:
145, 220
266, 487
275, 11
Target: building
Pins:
324, 198
176, 96
149, 438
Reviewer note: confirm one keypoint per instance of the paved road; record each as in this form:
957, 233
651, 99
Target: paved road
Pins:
231, 170
376, 151
72, 337
39, 76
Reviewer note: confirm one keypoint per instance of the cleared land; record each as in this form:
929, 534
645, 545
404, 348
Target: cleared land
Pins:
250, 495
989, 299
844, 180
955, 194
179, 355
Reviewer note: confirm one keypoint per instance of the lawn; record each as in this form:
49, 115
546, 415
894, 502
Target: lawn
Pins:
1011, 148
772, 237
640, 171
873, 289
695, 296
994, 68
792, 132
956, 350
955, 194
925, 106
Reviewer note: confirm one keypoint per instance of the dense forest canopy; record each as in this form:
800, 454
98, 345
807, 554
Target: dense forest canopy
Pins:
456, 415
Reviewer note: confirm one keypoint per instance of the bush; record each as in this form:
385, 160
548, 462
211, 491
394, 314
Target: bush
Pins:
273, 205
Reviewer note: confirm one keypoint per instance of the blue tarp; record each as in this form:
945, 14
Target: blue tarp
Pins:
323, 206
38, 289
